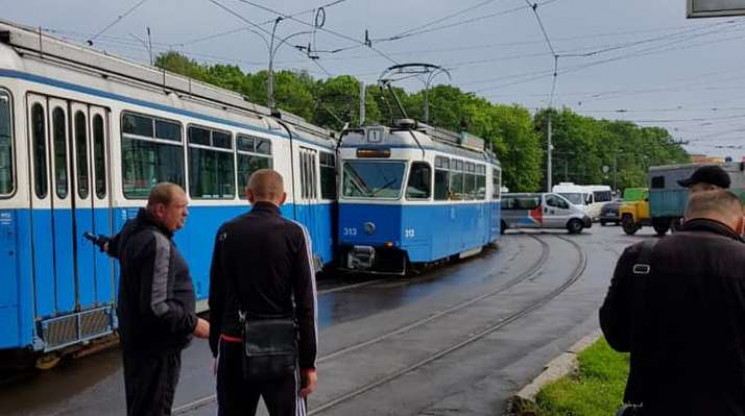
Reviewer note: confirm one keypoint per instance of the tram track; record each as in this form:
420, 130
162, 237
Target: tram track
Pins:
530, 273
502, 322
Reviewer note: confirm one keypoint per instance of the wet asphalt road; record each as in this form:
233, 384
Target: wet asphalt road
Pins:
455, 340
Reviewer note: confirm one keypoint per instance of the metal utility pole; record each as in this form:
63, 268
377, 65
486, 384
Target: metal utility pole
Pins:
150, 45
615, 171
270, 73
362, 103
549, 148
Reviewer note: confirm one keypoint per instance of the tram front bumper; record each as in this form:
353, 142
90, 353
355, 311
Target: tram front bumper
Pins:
373, 259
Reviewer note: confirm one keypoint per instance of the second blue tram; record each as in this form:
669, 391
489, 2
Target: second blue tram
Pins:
414, 194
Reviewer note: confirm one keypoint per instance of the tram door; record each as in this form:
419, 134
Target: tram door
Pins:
308, 204
63, 206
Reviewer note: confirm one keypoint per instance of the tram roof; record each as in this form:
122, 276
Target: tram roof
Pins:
25, 40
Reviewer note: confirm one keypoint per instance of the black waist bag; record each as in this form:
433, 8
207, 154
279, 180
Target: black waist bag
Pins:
269, 349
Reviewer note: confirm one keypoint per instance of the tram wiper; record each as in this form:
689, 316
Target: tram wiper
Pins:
384, 187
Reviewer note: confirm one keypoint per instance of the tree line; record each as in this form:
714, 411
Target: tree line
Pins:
586, 150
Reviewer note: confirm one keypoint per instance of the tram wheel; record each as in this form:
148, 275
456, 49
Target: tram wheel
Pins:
48, 361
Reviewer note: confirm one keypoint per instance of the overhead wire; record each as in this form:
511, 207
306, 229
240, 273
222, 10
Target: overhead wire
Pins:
444, 18
240, 29
117, 20
321, 28
645, 52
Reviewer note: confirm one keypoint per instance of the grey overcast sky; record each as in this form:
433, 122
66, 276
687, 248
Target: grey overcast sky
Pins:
637, 60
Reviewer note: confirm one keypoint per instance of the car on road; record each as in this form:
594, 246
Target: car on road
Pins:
609, 213
542, 210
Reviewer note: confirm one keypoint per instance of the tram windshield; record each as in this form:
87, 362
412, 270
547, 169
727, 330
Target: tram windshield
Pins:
373, 179
575, 198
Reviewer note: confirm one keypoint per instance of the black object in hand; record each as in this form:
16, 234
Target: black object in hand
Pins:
99, 240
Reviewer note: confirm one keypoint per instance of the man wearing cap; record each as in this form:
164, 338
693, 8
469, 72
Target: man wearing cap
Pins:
706, 178
678, 306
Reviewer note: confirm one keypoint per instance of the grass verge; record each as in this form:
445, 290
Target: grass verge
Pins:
597, 389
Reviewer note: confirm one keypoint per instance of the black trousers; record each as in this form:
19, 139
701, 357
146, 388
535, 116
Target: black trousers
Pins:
237, 397
150, 383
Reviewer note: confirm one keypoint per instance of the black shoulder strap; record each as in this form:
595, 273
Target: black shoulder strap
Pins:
643, 265
641, 273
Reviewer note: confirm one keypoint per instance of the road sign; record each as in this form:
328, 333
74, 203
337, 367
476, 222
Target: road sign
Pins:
715, 8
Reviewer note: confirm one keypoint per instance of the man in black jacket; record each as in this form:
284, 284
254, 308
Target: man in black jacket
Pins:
683, 319
156, 302
262, 267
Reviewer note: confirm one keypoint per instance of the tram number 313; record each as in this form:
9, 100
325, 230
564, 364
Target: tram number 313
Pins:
350, 231
409, 233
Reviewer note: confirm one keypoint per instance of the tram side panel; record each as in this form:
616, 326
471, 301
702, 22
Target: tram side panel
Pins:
16, 313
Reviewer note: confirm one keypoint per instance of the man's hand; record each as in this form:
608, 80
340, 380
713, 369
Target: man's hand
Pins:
202, 330
309, 380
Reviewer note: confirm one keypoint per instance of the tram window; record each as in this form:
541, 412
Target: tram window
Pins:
221, 140
496, 184
137, 124
99, 156
420, 181
249, 160
658, 182
38, 126
59, 137
211, 169
81, 146
211, 174
442, 188
167, 130
198, 135
263, 146
480, 186
245, 143
442, 162
328, 175
456, 185
7, 182
469, 187
145, 162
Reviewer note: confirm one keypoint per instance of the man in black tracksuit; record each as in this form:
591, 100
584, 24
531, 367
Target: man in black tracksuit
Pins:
156, 302
262, 266
684, 321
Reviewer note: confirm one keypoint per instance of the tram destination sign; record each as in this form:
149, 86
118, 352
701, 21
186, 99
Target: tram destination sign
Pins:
715, 8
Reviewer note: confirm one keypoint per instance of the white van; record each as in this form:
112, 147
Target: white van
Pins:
590, 198
542, 210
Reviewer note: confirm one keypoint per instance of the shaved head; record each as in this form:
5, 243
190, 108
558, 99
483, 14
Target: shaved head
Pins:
719, 205
266, 185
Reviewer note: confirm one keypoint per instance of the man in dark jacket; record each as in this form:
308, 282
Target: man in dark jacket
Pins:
156, 302
261, 266
683, 319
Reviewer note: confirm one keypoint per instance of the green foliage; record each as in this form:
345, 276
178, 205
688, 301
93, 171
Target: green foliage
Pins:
596, 391
582, 145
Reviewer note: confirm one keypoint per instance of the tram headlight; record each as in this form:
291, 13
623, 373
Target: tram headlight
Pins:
369, 227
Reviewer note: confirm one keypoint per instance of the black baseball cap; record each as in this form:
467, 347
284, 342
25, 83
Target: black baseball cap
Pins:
711, 174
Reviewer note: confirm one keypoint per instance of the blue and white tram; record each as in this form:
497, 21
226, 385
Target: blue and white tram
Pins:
83, 138
414, 194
